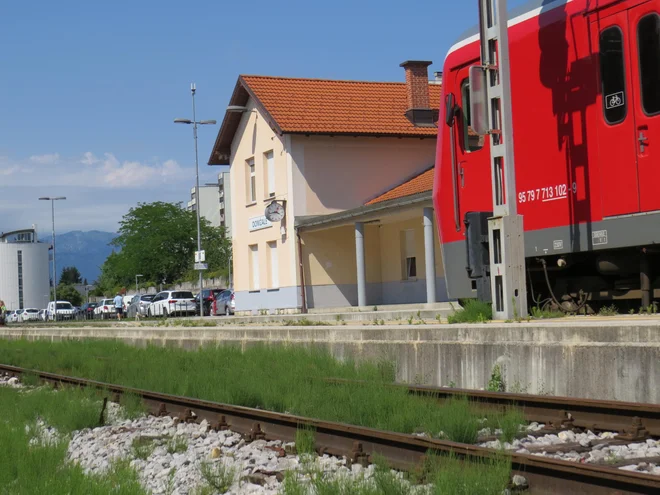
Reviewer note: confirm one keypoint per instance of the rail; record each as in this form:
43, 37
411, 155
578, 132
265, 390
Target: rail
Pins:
358, 444
634, 421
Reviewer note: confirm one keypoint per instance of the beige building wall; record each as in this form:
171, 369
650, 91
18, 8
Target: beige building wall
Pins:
277, 281
339, 173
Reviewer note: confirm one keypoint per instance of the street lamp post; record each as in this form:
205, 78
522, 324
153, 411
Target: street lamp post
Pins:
52, 204
195, 123
137, 290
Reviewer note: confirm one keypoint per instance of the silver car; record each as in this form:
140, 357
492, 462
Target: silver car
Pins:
139, 305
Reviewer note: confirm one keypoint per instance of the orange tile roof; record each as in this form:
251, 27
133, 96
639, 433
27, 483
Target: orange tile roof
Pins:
418, 184
338, 107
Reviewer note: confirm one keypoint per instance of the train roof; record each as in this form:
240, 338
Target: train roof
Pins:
529, 9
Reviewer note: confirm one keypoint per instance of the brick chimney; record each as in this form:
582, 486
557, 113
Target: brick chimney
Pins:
419, 111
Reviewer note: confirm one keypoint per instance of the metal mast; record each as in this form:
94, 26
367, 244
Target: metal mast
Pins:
505, 228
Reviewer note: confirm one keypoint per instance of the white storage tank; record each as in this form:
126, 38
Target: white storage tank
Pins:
24, 272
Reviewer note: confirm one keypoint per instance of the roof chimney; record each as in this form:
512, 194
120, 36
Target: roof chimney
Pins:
419, 111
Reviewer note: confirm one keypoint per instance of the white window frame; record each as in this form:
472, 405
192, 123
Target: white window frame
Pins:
273, 265
408, 253
254, 267
269, 159
251, 181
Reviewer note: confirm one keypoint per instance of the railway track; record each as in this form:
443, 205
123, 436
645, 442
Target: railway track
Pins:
358, 444
633, 421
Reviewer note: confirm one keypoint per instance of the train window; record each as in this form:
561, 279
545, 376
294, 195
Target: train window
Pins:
648, 42
471, 140
612, 75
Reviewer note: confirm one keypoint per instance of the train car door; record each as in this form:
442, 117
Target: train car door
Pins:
644, 33
616, 123
628, 43
472, 162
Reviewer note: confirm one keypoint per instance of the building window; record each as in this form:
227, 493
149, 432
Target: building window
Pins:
408, 255
273, 266
613, 75
252, 181
648, 43
254, 267
269, 160
471, 140
20, 279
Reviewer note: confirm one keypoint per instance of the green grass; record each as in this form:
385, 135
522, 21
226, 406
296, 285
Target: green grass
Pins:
218, 476
439, 476
546, 314
474, 311
142, 448
611, 310
306, 322
305, 440
287, 379
177, 445
37, 469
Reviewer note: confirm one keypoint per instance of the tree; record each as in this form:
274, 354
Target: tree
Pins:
158, 241
70, 276
69, 293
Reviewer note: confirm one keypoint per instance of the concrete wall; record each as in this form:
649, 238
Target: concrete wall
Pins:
600, 359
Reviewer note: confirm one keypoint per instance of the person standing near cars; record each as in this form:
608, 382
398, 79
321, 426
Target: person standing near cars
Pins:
119, 305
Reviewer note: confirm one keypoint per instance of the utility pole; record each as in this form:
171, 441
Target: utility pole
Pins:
199, 256
505, 227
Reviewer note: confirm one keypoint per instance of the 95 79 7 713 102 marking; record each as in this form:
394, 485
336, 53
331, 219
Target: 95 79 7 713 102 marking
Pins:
546, 194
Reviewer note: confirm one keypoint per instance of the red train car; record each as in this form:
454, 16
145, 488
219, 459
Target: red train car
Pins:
585, 83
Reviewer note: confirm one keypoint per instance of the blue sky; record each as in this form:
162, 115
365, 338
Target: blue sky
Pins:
88, 90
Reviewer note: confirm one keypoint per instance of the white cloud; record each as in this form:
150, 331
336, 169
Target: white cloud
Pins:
89, 158
133, 174
49, 159
9, 170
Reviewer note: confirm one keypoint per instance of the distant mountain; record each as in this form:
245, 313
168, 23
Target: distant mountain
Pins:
85, 250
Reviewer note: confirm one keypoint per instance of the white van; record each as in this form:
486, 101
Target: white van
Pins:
64, 310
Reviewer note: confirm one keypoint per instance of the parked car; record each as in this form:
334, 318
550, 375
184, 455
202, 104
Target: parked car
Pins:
64, 310
12, 316
29, 314
127, 300
208, 295
86, 311
139, 305
42, 315
105, 309
172, 302
224, 303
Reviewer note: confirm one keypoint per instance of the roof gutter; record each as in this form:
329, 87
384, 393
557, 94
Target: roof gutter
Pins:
363, 210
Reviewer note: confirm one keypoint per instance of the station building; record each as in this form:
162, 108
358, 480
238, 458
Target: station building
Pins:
350, 163
24, 275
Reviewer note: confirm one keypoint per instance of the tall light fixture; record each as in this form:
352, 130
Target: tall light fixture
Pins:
195, 123
52, 204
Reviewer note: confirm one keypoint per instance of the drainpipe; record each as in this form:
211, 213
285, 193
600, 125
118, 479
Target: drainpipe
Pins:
302, 273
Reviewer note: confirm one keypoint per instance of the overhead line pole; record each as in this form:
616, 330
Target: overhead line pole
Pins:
505, 227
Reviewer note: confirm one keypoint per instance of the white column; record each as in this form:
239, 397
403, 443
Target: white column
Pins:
361, 265
429, 255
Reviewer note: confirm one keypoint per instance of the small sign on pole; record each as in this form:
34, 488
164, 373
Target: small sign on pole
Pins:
200, 256
201, 266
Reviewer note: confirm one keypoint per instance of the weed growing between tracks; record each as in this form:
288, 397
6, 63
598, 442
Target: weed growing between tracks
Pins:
277, 378
41, 468
438, 476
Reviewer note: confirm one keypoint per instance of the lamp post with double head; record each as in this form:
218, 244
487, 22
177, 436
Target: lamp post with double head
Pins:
52, 204
195, 123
